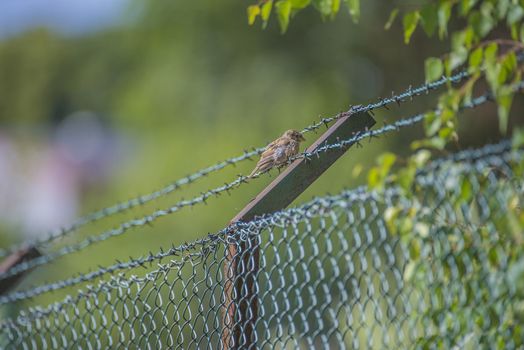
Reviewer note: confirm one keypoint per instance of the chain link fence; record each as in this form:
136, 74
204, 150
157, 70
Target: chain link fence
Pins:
439, 265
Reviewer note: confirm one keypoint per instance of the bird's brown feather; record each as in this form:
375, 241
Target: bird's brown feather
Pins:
279, 151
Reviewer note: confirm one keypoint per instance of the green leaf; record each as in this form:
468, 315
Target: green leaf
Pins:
490, 53
374, 180
323, 6
391, 19
447, 70
487, 8
493, 75
468, 87
458, 57
354, 9
422, 229
406, 176
466, 6
515, 14
409, 23
335, 6
475, 59
492, 67
504, 101
252, 12
386, 161
415, 246
390, 217
502, 8
510, 62
421, 158
448, 103
377, 175
469, 37
433, 68
517, 140
283, 11
300, 4
443, 15
461, 39
266, 11
428, 18
481, 23
447, 133
466, 191
432, 124
409, 271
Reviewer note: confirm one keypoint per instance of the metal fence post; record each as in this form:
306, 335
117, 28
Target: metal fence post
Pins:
240, 309
13, 260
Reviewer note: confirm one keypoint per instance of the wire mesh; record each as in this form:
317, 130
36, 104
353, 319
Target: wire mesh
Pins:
433, 267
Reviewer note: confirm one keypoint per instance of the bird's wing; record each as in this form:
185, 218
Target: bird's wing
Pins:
274, 154
267, 159
292, 149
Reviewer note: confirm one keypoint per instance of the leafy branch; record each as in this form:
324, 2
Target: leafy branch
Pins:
287, 9
486, 41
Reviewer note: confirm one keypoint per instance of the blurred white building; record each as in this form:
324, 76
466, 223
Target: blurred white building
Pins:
41, 189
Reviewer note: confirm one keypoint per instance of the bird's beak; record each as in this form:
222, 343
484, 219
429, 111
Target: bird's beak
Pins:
302, 138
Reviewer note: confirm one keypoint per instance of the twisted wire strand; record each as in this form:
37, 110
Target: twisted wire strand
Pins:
240, 229
45, 259
148, 219
405, 122
409, 93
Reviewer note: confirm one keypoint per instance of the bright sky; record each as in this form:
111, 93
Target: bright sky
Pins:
69, 17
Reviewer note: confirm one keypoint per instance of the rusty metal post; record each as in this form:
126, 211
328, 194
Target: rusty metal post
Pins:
11, 261
242, 256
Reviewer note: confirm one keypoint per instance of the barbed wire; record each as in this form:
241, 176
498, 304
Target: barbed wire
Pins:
239, 230
148, 219
284, 215
471, 155
131, 203
132, 263
405, 122
409, 93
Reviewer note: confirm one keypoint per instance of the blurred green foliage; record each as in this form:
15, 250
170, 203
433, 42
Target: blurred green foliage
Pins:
189, 84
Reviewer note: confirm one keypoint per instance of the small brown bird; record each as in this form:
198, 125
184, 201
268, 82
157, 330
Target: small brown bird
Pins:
279, 151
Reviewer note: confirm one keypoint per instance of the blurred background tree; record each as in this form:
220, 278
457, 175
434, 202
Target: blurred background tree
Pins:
171, 87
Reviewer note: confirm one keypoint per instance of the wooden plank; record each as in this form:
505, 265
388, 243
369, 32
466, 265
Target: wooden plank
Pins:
13, 260
242, 259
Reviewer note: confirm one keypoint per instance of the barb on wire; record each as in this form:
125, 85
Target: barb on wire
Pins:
228, 186
125, 226
134, 202
141, 200
132, 263
488, 153
409, 93
121, 229
398, 125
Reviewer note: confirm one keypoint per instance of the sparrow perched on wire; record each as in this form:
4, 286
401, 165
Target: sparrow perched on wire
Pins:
278, 152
